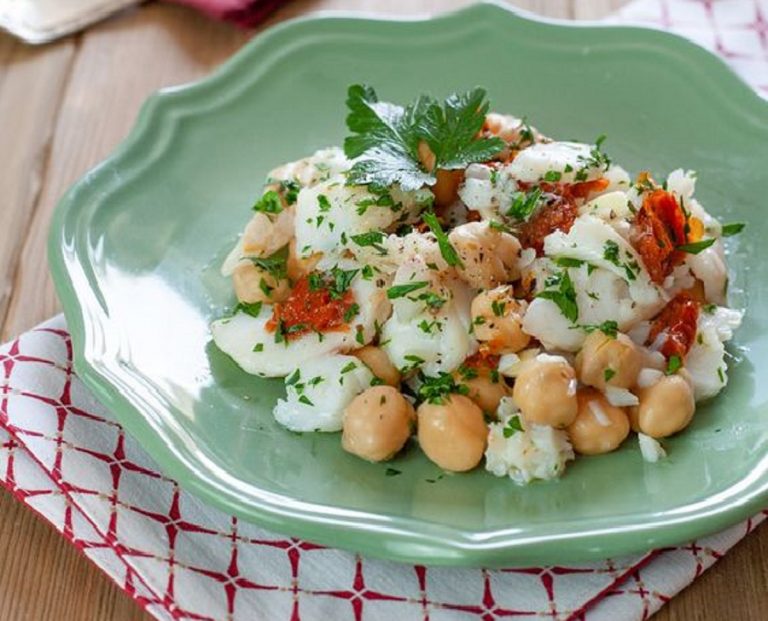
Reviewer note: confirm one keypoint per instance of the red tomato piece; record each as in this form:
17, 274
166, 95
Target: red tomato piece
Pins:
658, 229
559, 216
308, 310
678, 321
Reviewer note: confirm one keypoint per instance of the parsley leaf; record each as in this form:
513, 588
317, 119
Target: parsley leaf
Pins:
512, 427
431, 300
524, 204
372, 239
611, 252
564, 296
388, 136
275, 266
293, 378
568, 262
733, 228
446, 249
351, 312
451, 131
673, 365
697, 247
252, 309
341, 280
434, 388
609, 328
398, 291
323, 203
269, 203
291, 189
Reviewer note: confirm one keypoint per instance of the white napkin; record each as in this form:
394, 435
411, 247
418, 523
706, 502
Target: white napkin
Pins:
64, 455
40, 21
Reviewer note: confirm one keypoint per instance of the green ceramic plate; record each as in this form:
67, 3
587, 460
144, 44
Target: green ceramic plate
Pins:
135, 249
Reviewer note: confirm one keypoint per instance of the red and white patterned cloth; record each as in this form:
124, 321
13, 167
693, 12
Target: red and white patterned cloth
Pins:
64, 455
737, 30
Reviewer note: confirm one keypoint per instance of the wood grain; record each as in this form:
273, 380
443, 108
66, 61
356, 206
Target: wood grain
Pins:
64, 107
32, 84
118, 64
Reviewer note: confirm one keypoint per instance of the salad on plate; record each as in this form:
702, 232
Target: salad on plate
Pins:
455, 275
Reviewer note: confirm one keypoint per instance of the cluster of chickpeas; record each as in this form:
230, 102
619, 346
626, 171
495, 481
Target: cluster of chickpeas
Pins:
548, 390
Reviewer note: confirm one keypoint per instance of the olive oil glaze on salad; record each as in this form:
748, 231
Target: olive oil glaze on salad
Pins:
452, 273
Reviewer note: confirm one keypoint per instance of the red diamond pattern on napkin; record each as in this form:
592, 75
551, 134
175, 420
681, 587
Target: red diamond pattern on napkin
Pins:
64, 456
737, 30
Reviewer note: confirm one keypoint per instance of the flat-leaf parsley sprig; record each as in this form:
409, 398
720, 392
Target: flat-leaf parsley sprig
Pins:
387, 136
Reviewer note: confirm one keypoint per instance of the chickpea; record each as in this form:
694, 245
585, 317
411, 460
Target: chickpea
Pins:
509, 128
607, 361
426, 156
297, 266
264, 235
599, 427
483, 390
453, 433
497, 319
697, 291
489, 256
377, 423
446, 188
253, 284
378, 362
666, 407
545, 392
634, 423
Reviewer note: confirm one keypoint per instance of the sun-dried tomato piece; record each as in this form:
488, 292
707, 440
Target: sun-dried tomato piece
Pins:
557, 216
558, 213
677, 322
658, 229
584, 188
310, 310
483, 359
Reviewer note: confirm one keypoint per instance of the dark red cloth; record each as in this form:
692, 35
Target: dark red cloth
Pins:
244, 13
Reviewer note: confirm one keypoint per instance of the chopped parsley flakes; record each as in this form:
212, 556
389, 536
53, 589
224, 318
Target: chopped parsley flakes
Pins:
564, 296
611, 254
399, 291
732, 228
249, 308
673, 365
524, 204
446, 249
514, 425
372, 239
697, 247
269, 203
434, 389
609, 328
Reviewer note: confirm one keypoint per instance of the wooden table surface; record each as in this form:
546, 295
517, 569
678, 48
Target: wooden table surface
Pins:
63, 107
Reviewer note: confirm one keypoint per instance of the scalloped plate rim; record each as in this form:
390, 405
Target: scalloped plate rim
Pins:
406, 539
